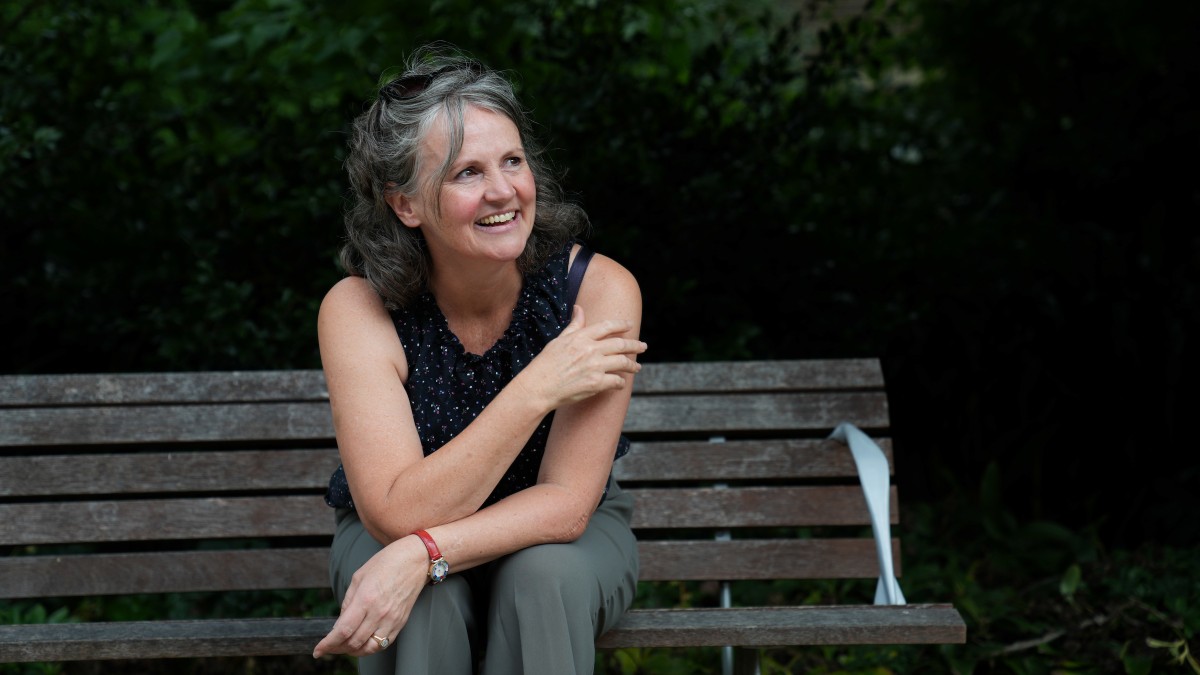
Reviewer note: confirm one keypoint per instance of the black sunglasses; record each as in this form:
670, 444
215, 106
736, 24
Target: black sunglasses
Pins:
411, 85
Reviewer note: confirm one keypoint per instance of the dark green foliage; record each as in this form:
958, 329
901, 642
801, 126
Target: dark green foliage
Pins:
980, 193
997, 197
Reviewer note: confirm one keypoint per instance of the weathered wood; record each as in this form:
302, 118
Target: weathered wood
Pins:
168, 423
781, 626
46, 576
676, 508
773, 459
761, 559
735, 376
161, 639
711, 413
309, 385
163, 572
703, 413
146, 520
142, 465
26, 524
160, 388
748, 627
236, 471
162, 472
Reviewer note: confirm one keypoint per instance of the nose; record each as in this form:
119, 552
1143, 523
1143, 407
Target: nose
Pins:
499, 188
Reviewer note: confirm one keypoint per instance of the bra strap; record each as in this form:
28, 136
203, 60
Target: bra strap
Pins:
575, 275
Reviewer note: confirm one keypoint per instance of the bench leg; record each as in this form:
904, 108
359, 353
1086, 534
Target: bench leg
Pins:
746, 661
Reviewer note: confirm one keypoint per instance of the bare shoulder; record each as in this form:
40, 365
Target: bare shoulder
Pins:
351, 303
349, 294
354, 324
611, 289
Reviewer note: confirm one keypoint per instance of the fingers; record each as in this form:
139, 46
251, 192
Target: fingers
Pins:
599, 330
620, 345
355, 629
348, 638
577, 321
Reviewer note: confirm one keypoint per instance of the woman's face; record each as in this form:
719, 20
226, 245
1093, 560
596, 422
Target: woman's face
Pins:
487, 198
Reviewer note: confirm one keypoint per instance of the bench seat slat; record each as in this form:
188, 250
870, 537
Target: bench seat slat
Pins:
744, 627
780, 626
161, 639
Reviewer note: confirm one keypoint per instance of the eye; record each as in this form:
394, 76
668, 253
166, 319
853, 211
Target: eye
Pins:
468, 172
514, 161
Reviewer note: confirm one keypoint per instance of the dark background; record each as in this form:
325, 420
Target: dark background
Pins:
997, 198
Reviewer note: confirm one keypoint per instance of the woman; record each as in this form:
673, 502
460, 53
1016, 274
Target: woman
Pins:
477, 401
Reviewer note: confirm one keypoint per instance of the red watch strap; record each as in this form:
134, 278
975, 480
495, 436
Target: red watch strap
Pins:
430, 544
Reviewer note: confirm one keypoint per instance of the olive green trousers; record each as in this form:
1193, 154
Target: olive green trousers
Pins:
538, 610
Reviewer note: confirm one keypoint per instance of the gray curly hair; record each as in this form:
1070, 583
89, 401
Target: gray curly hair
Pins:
383, 159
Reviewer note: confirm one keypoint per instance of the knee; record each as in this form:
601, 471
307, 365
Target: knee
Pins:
550, 572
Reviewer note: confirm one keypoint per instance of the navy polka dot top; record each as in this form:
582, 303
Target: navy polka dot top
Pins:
449, 386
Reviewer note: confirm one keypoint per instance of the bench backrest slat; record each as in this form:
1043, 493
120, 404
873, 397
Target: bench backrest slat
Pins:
140, 466
309, 385
27, 524
162, 388
264, 569
783, 375
164, 472
738, 460
163, 572
311, 421
187, 470
164, 520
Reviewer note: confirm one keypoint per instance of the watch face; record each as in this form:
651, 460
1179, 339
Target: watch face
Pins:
438, 570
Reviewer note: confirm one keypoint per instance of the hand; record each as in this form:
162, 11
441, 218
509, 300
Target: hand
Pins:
583, 361
380, 597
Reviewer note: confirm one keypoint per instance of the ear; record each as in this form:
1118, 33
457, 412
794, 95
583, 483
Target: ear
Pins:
402, 206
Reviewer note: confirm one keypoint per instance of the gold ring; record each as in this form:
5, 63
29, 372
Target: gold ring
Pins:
383, 642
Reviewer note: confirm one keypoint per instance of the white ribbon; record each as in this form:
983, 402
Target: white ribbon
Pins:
873, 473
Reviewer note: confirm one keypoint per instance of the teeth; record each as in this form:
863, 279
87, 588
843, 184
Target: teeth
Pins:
498, 218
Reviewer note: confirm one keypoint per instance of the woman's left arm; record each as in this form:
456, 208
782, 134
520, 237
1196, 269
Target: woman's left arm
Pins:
583, 438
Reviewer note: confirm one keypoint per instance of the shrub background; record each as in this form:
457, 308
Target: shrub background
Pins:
998, 198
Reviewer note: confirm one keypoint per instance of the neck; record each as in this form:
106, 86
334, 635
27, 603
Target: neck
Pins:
477, 291
478, 305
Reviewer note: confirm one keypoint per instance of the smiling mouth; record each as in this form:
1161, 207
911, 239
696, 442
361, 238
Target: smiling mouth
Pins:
497, 219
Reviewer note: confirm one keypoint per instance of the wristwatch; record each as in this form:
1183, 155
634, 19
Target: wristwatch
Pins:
438, 567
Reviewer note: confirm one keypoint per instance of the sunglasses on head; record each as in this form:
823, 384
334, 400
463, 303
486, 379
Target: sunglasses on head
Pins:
411, 85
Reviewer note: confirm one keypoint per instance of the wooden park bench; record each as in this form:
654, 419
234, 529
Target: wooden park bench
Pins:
116, 484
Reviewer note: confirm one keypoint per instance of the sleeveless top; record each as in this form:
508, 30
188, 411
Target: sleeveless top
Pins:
448, 386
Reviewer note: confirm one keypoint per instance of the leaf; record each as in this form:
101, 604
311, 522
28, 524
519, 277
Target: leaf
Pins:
1069, 583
